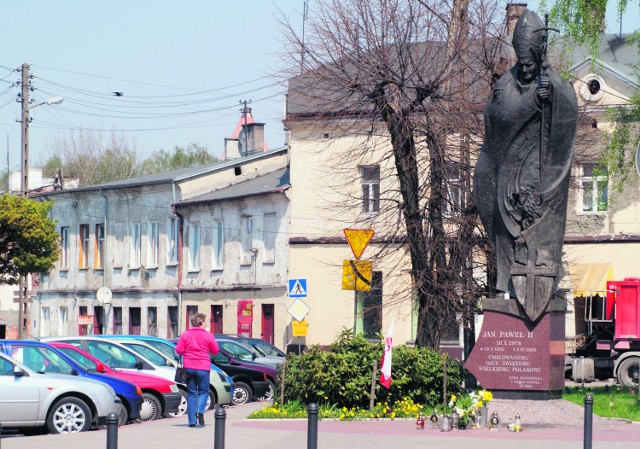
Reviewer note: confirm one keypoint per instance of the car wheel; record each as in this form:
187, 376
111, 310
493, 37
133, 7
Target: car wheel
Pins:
241, 393
182, 408
69, 415
269, 394
628, 372
211, 400
151, 408
124, 416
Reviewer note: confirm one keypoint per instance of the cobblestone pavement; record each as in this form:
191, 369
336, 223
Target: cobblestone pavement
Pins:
555, 423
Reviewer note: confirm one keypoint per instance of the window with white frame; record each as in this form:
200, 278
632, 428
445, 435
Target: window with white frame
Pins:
246, 239
121, 246
152, 244
218, 245
45, 322
594, 189
136, 245
269, 232
98, 261
172, 241
454, 191
64, 248
370, 182
193, 236
83, 246
63, 323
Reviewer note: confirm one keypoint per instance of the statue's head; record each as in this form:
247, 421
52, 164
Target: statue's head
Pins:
528, 43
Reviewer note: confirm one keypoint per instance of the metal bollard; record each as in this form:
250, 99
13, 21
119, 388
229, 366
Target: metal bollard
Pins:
218, 437
588, 420
112, 431
312, 426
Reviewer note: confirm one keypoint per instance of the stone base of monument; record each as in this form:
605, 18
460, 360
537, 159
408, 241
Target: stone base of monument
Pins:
517, 359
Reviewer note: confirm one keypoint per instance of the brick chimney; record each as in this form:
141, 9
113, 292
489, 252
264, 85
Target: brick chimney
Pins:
514, 11
251, 139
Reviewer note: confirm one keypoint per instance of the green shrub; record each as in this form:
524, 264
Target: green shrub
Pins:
341, 376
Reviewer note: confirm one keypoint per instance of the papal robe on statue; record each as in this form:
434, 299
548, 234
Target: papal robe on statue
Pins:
522, 175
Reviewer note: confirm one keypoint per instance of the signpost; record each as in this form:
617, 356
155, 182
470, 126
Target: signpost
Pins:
356, 274
298, 310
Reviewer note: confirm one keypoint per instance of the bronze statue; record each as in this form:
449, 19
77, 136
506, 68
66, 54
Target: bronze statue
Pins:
521, 178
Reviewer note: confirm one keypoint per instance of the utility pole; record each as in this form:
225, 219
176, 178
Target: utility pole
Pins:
245, 112
23, 295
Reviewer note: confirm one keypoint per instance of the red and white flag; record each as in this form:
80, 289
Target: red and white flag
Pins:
385, 366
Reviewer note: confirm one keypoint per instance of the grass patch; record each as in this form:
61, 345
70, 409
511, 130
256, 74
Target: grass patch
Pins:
608, 402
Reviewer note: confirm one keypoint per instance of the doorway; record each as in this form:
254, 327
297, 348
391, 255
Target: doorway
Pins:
267, 323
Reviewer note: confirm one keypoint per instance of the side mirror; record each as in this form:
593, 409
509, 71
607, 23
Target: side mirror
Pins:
18, 372
100, 368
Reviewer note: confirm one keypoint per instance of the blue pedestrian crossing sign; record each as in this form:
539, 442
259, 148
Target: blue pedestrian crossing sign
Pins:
297, 288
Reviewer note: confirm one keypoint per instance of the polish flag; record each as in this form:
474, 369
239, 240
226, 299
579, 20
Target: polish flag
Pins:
385, 366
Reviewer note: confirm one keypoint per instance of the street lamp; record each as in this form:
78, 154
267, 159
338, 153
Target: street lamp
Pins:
23, 297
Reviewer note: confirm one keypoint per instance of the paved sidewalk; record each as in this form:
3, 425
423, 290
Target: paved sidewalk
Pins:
546, 424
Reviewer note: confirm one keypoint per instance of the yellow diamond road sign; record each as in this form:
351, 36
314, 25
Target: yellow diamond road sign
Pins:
358, 240
356, 275
299, 309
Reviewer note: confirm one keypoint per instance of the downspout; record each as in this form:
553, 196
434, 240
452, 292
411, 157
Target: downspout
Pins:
106, 233
179, 254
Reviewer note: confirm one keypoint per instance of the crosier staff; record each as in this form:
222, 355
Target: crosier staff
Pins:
543, 85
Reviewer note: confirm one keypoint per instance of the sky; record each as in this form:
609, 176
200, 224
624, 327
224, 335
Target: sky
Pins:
182, 67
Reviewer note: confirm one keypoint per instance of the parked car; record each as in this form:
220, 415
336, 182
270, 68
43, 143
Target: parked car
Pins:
249, 383
240, 350
120, 357
168, 348
263, 347
159, 395
42, 357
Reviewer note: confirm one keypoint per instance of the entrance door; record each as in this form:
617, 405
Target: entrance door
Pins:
215, 323
191, 311
267, 322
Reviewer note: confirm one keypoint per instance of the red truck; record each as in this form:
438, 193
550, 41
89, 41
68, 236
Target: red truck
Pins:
610, 346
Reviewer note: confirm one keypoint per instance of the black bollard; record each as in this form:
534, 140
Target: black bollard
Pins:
112, 431
218, 437
588, 420
312, 426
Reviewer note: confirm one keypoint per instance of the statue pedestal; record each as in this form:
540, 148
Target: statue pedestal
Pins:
517, 359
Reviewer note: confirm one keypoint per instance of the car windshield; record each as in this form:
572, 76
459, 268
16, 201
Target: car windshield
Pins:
236, 350
41, 359
164, 347
153, 356
80, 359
267, 349
113, 355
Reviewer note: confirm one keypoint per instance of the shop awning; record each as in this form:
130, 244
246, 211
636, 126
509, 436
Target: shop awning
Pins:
590, 278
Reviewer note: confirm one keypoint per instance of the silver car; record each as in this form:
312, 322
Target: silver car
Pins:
62, 403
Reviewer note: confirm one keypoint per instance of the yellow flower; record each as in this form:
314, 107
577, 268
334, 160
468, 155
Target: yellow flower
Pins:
479, 404
454, 398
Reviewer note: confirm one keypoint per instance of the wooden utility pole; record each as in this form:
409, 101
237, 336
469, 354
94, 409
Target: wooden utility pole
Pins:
23, 296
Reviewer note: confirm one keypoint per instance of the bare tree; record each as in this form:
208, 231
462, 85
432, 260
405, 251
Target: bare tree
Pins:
414, 74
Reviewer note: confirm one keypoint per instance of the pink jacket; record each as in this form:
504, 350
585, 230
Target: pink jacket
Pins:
194, 346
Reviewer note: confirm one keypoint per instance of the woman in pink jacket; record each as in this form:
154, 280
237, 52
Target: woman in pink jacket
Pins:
194, 346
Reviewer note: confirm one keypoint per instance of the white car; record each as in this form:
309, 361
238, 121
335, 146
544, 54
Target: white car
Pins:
62, 403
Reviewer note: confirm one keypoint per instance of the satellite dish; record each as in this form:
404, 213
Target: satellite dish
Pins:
103, 295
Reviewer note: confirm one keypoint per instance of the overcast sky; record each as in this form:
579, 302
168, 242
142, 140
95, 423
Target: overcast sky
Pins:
182, 68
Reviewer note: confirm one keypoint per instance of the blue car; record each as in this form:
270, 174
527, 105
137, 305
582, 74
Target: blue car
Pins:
44, 358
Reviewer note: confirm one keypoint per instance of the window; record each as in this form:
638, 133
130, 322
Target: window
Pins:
172, 331
83, 244
135, 320
594, 189
99, 255
218, 245
172, 241
45, 322
136, 245
63, 323
454, 192
369, 308
121, 246
246, 239
269, 233
98, 320
82, 328
193, 232
152, 321
64, 248
117, 320
152, 245
370, 175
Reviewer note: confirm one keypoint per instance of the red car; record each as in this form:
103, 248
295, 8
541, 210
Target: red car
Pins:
160, 396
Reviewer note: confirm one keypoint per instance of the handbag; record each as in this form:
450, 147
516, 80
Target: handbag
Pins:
181, 373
